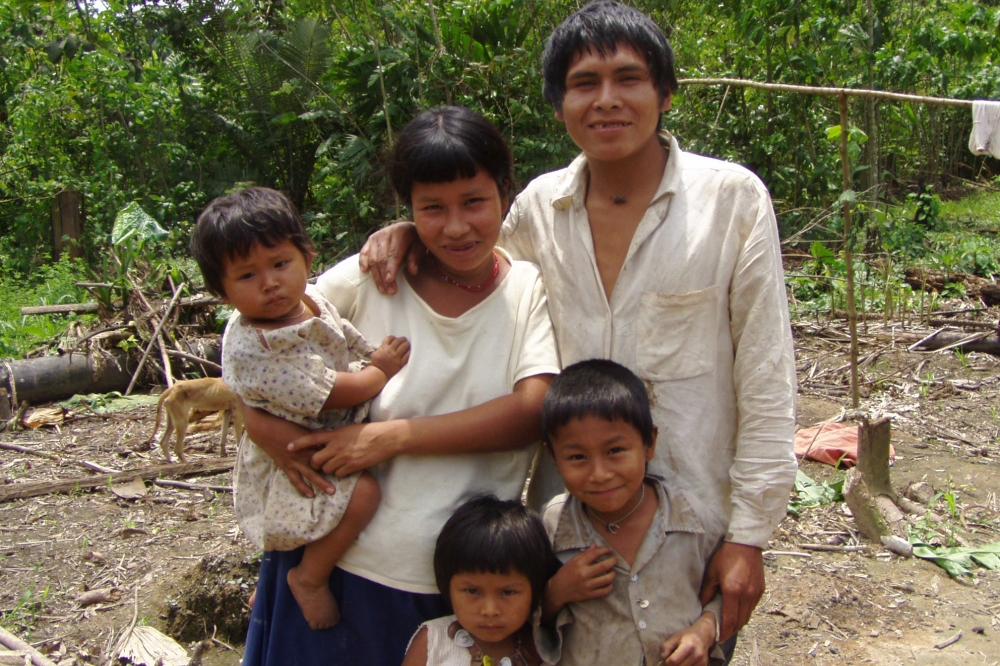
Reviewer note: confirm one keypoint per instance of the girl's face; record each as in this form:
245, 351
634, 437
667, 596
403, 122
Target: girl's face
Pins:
269, 282
459, 221
491, 606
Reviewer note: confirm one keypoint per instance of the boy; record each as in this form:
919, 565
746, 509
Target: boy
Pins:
634, 548
668, 263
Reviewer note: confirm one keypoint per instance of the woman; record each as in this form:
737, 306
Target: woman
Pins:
458, 421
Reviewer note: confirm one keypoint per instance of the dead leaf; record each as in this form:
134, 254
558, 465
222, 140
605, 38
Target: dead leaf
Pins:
132, 489
131, 532
44, 416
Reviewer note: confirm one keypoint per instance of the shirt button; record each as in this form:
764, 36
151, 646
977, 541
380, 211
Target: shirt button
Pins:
644, 603
635, 578
642, 624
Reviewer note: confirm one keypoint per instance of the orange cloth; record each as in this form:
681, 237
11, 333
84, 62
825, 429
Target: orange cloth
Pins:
835, 440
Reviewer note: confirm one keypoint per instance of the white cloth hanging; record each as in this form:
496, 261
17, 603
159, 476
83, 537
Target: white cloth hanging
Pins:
985, 137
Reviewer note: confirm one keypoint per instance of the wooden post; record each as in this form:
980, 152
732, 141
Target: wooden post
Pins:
852, 312
66, 222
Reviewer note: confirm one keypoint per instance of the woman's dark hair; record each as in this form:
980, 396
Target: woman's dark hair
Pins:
232, 224
448, 143
488, 535
599, 388
604, 26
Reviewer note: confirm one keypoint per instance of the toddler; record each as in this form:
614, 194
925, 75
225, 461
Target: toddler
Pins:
287, 351
633, 545
491, 563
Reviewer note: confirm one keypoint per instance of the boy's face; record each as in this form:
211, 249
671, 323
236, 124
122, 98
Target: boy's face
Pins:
269, 282
612, 107
602, 462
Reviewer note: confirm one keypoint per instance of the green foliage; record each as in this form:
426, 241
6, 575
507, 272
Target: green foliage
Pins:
960, 561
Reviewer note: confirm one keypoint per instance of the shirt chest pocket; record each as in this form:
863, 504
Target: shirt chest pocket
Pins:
676, 334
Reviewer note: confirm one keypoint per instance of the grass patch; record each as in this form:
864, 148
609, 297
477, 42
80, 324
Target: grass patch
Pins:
49, 284
979, 211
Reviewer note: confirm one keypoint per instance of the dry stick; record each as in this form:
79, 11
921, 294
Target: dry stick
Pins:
191, 486
152, 341
31, 452
166, 359
951, 641
820, 90
929, 337
832, 549
12, 642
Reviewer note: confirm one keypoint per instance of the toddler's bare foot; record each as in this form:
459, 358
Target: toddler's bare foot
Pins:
316, 601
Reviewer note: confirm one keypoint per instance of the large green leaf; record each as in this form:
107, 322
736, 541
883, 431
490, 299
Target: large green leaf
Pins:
960, 561
133, 221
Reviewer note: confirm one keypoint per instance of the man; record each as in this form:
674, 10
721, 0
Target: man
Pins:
668, 263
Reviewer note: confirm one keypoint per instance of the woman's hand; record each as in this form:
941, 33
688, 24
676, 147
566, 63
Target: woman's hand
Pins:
272, 435
352, 448
386, 250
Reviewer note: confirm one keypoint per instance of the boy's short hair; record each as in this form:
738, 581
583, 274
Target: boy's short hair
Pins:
488, 535
599, 388
602, 26
232, 224
448, 143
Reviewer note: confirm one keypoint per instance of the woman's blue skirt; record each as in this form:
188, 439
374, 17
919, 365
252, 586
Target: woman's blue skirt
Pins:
376, 622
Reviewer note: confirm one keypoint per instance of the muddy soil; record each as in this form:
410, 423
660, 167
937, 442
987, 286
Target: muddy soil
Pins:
174, 558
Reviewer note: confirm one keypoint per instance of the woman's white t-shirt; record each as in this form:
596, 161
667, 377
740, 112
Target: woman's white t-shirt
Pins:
455, 363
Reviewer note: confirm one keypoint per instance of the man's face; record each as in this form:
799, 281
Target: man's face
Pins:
612, 107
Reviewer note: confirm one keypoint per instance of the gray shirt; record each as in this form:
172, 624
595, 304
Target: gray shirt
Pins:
650, 601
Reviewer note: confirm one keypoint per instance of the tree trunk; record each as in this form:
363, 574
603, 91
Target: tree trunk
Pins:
67, 223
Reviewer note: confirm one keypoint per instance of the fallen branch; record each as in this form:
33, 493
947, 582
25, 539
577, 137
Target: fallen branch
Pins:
200, 467
12, 642
194, 359
192, 486
62, 308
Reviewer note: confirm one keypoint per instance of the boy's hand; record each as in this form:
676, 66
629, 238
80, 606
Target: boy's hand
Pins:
386, 250
692, 646
391, 355
582, 578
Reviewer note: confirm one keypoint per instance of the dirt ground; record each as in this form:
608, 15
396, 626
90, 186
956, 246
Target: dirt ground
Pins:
174, 558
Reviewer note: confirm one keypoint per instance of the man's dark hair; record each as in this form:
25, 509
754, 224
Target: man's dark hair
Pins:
231, 225
448, 143
603, 26
598, 388
488, 535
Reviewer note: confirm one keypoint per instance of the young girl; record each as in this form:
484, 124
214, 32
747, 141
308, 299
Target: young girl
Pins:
288, 351
491, 562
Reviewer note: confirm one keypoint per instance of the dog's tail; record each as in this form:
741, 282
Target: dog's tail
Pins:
159, 413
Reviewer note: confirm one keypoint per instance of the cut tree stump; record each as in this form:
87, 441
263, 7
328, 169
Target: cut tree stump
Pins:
868, 488
199, 467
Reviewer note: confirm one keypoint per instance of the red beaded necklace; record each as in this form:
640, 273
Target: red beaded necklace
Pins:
473, 288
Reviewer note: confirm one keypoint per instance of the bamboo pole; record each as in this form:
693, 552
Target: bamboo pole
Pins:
852, 313
822, 90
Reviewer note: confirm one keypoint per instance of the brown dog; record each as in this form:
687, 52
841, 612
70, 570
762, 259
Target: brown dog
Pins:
203, 395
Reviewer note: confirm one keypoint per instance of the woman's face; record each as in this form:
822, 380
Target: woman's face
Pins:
459, 221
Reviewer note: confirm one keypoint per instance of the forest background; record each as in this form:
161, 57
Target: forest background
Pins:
171, 103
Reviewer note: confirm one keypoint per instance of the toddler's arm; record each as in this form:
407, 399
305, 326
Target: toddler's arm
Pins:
416, 653
353, 388
582, 578
692, 646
